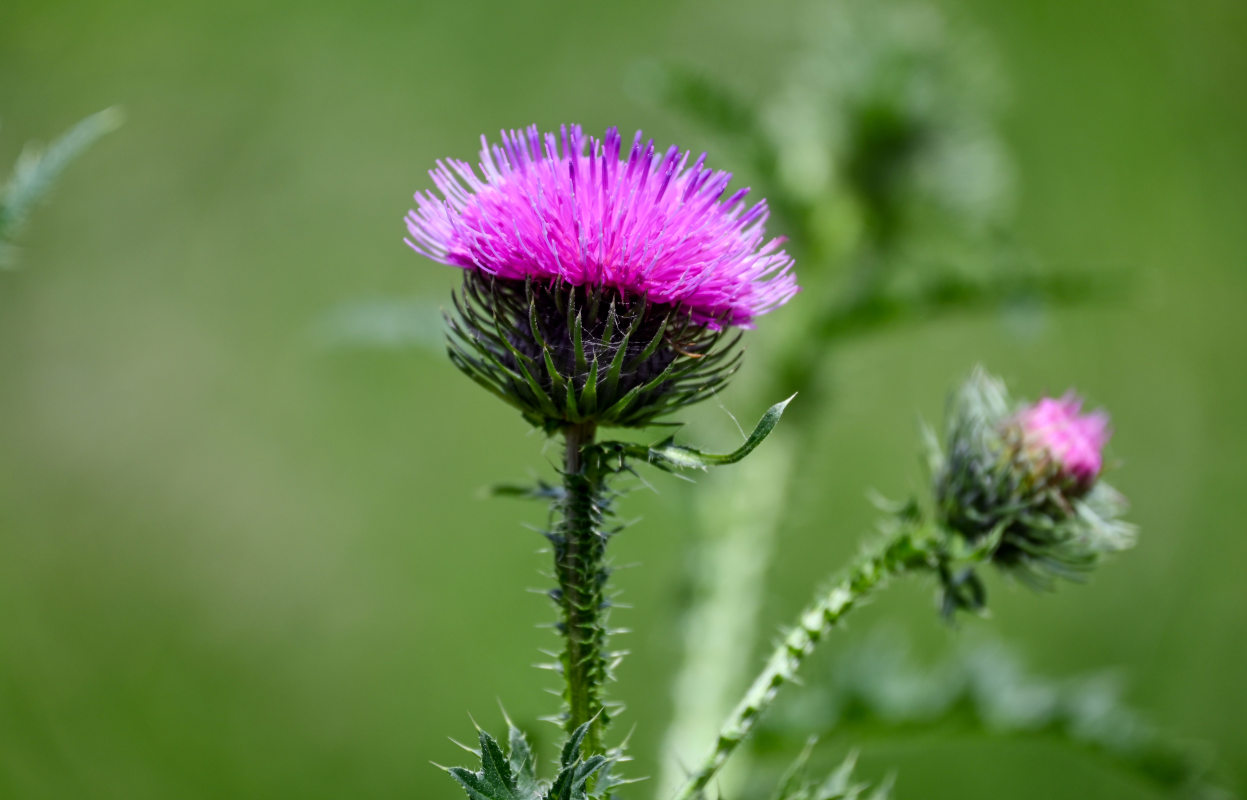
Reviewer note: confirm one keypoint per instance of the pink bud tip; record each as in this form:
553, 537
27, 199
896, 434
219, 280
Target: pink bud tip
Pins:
1073, 439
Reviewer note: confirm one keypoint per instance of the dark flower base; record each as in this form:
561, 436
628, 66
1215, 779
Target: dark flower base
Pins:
567, 355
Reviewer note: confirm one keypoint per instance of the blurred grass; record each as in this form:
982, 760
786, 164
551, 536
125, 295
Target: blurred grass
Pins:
231, 563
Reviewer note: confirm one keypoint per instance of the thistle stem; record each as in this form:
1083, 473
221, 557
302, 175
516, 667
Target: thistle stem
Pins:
579, 553
908, 548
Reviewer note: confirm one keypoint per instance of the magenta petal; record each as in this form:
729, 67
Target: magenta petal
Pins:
1073, 439
649, 225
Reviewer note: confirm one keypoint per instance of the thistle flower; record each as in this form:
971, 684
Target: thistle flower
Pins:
597, 289
1056, 429
1025, 482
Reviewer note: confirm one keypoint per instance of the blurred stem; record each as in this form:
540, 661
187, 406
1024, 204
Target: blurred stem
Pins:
579, 566
911, 546
940, 296
738, 514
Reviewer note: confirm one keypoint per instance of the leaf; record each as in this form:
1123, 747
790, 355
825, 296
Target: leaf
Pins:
37, 169
880, 688
670, 456
521, 760
538, 491
495, 780
572, 781
708, 102
513, 775
839, 785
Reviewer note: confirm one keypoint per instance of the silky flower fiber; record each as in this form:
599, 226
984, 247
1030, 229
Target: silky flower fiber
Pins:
1075, 441
574, 209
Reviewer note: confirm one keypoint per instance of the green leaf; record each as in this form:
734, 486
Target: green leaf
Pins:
839, 785
879, 688
538, 491
572, 781
38, 169
705, 100
513, 775
670, 456
495, 780
521, 760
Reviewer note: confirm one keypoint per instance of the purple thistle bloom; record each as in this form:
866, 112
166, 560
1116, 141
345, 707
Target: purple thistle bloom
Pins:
1025, 481
648, 226
1072, 439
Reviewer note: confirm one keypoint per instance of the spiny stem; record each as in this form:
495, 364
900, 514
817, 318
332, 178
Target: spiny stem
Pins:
579, 552
910, 547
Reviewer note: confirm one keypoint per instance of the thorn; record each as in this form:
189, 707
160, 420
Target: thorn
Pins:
506, 717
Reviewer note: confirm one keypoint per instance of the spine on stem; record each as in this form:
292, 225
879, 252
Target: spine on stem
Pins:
580, 568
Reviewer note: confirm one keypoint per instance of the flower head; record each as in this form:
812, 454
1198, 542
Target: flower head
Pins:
597, 288
1027, 481
1071, 439
647, 225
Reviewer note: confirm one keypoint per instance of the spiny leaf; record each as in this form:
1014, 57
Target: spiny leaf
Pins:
572, 781
839, 785
521, 759
495, 780
571, 748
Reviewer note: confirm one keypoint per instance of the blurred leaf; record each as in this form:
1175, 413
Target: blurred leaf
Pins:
541, 490
38, 169
839, 785
876, 688
703, 99
941, 295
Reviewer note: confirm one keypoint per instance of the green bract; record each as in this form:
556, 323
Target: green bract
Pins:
993, 491
567, 355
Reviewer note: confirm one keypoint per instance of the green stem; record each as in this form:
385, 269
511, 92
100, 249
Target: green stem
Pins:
911, 547
579, 566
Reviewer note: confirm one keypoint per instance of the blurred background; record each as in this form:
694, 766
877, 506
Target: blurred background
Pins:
242, 556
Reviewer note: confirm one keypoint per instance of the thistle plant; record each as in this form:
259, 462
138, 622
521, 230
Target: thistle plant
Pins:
609, 290
599, 290
1015, 486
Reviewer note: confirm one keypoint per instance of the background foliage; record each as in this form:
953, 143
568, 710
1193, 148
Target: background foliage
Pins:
232, 558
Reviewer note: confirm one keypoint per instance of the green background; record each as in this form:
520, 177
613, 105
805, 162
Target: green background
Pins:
235, 562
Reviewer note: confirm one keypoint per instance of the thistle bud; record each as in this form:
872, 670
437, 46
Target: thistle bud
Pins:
1025, 483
